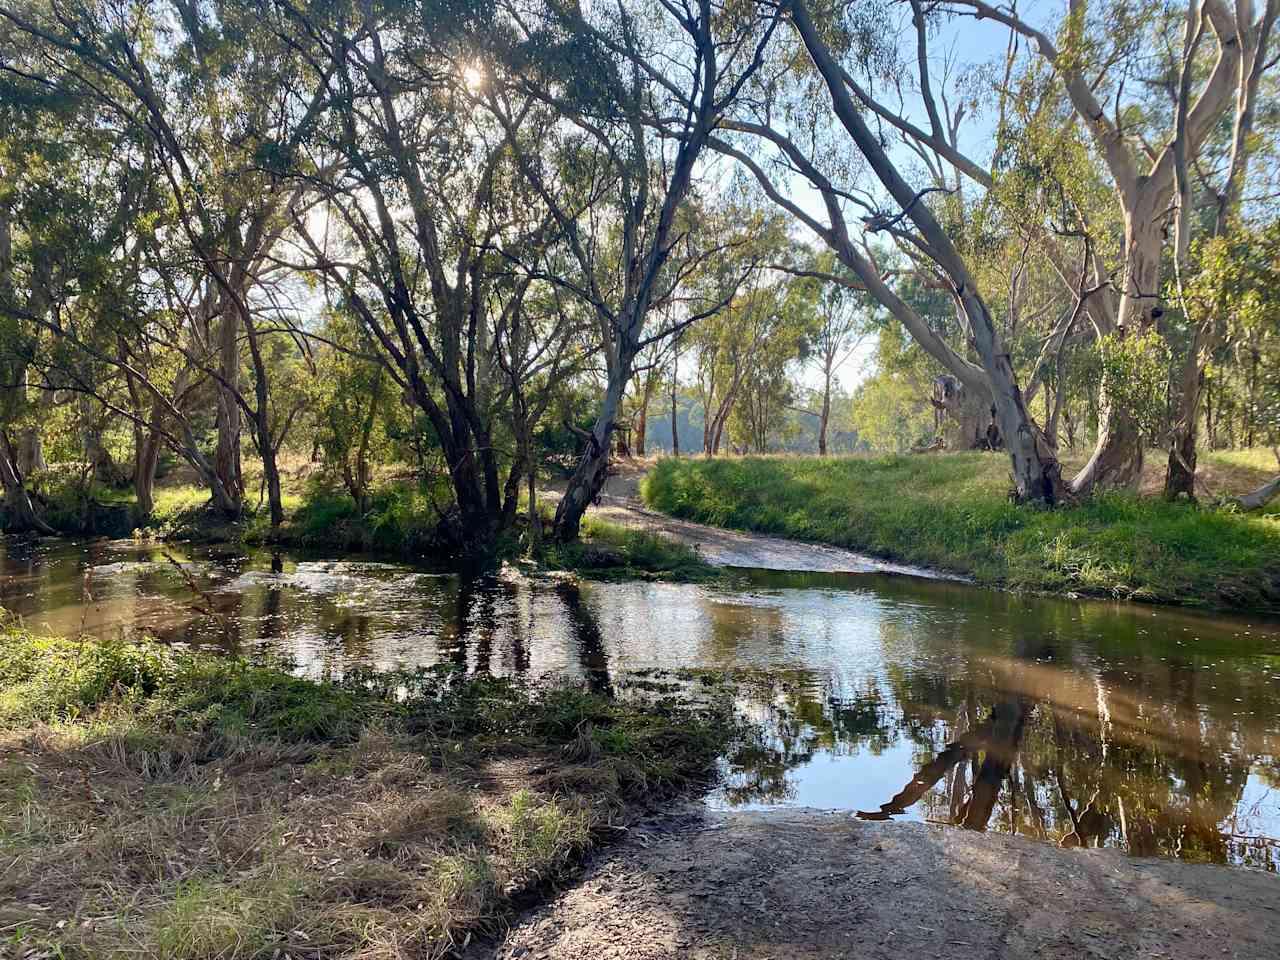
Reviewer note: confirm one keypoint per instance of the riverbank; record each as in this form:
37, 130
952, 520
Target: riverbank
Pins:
402, 522
817, 886
161, 803
951, 512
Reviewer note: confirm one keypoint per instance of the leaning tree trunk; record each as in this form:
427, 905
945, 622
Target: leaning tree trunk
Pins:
21, 515
1036, 474
589, 477
1259, 498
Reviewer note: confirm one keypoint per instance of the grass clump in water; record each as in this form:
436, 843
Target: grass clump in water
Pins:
953, 512
167, 803
612, 551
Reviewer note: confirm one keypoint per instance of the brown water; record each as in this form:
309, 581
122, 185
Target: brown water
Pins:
1153, 730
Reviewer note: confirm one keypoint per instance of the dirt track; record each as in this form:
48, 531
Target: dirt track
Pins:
805, 885
620, 503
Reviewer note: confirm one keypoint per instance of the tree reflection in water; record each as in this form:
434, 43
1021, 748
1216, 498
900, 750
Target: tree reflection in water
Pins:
1082, 723
1024, 745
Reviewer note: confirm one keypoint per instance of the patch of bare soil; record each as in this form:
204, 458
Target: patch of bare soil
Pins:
809, 885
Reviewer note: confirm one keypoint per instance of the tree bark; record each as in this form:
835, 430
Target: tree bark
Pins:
21, 515
1259, 498
227, 454
262, 426
824, 416
643, 421
675, 425
31, 452
146, 458
965, 414
593, 467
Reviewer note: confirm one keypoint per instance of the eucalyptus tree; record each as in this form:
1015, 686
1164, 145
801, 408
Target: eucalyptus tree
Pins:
844, 57
213, 96
639, 90
427, 232
841, 324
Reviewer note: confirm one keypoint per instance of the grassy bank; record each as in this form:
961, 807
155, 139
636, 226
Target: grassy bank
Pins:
952, 512
164, 804
402, 521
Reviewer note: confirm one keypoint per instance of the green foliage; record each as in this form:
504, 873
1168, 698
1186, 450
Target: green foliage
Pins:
891, 412
1136, 367
952, 512
1237, 283
355, 409
397, 517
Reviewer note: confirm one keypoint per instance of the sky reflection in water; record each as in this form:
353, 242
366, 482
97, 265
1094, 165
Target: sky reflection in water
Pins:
1079, 722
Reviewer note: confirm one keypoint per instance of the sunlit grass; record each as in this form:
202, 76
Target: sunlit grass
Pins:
197, 807
953, 512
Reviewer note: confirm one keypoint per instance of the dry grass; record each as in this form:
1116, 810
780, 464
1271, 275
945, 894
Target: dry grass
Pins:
116, 850
122, 837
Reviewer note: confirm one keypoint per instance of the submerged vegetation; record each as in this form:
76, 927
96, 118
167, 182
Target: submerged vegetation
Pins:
164, 803
952, 512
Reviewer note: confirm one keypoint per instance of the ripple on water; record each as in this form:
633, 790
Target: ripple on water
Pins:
1157, 731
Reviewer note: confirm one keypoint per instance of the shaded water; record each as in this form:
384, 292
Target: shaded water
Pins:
1079, 722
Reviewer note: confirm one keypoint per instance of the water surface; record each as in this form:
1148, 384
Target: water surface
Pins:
1153, 730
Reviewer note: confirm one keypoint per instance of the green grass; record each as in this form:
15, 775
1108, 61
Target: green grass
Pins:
952, 512
155, 802
612, 551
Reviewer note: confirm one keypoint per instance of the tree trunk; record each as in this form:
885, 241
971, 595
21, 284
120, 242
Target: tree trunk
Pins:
593, 468
21, 515
146, 458
31, 452
226, 459
1118, 455
531, 474
1180, 475
1208, 416
965, 414
675, 425
643, 423
824, 416
96, 453
1261, 497
262, 425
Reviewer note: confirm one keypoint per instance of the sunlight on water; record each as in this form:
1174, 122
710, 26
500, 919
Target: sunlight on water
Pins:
1157, 731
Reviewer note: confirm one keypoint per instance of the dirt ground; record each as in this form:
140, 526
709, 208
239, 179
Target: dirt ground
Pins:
809, 885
